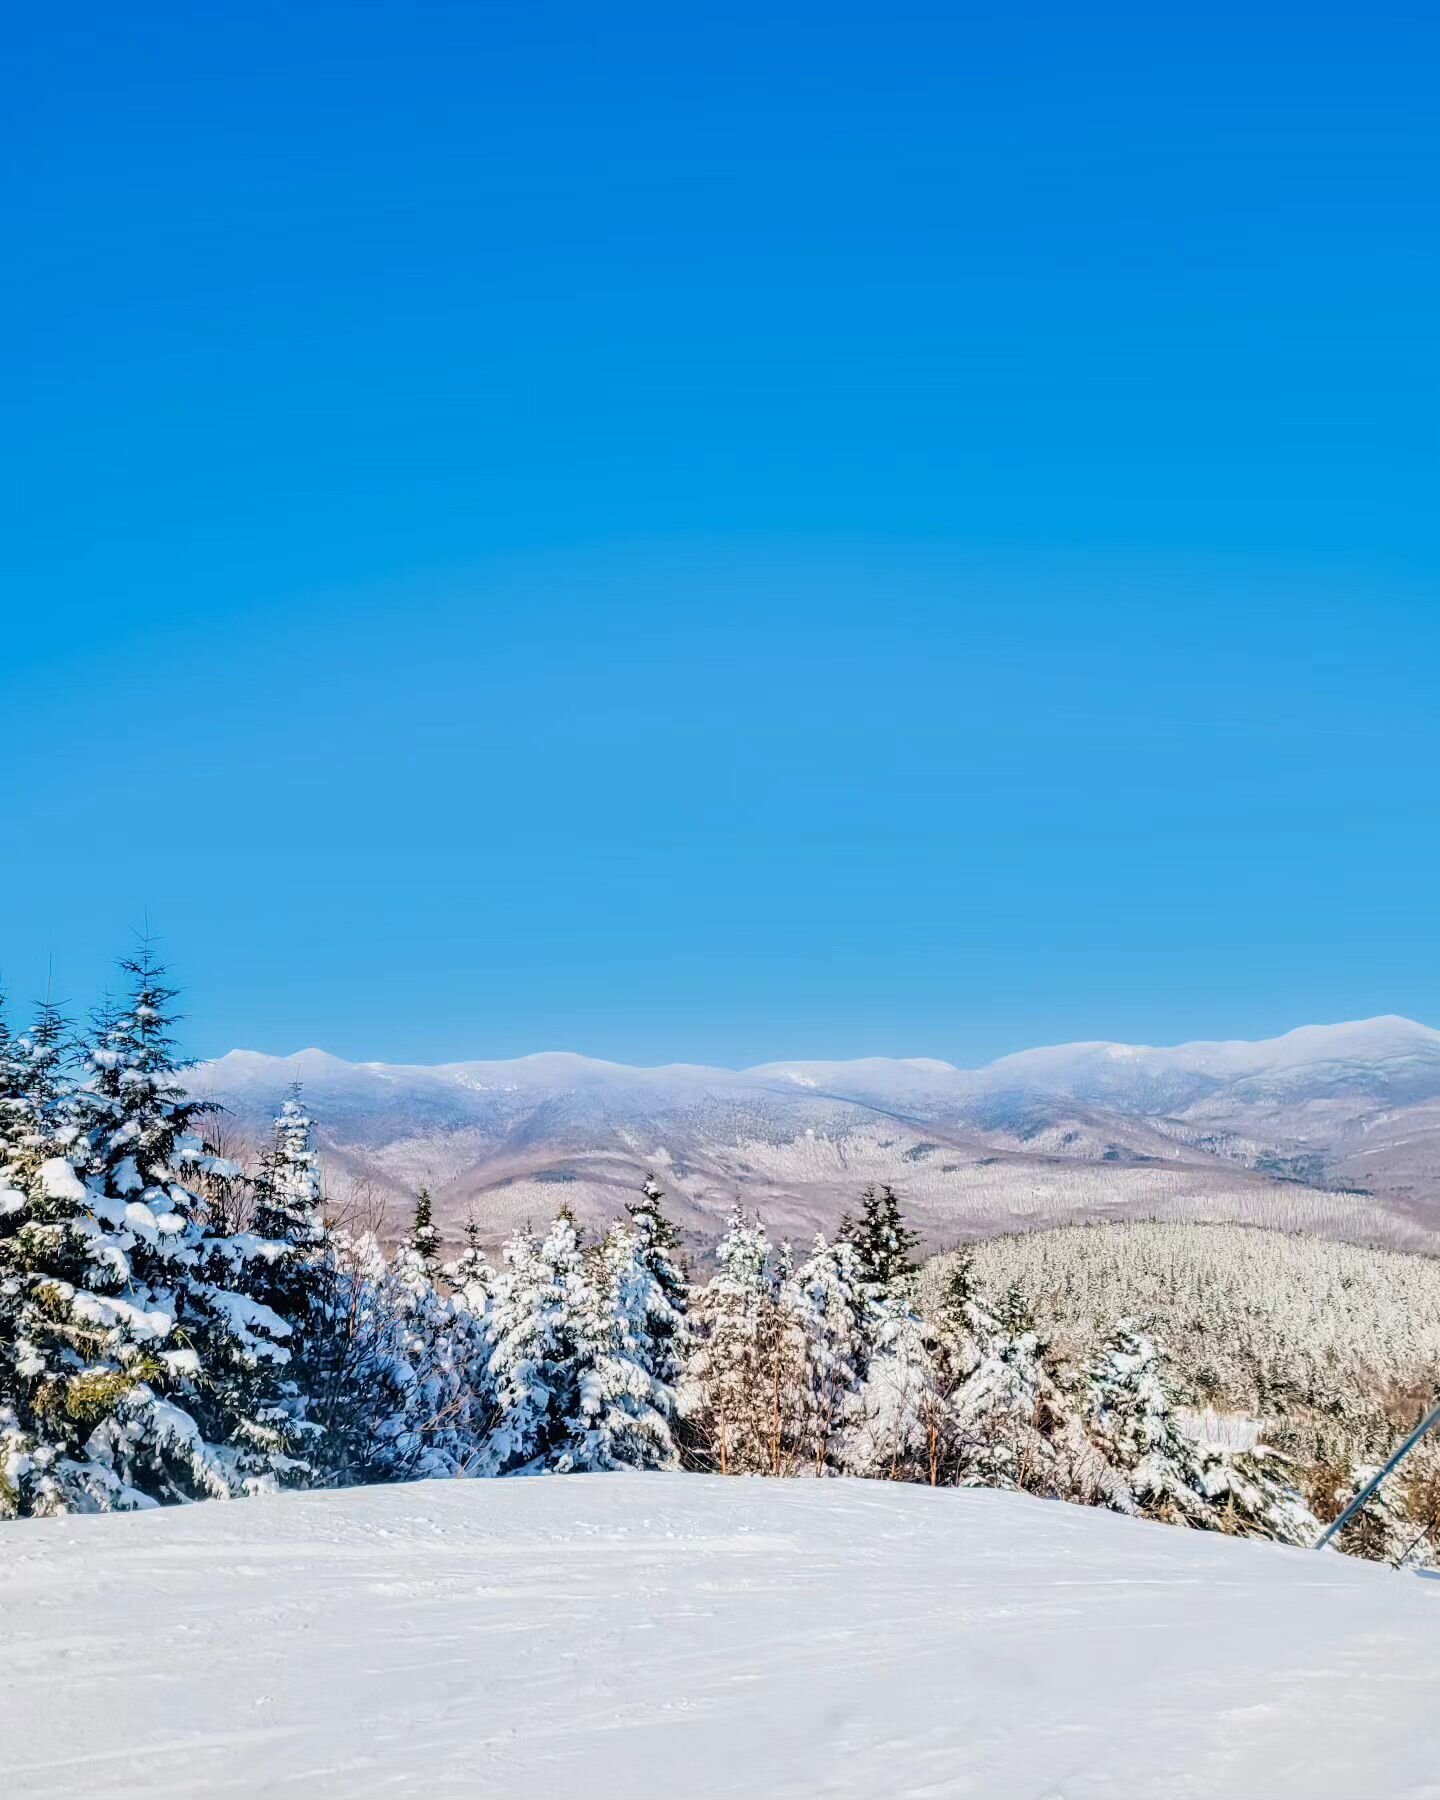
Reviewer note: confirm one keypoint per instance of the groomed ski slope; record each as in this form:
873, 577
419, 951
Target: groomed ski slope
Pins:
677, 1636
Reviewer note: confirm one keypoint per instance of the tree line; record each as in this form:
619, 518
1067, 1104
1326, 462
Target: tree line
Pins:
175, 1327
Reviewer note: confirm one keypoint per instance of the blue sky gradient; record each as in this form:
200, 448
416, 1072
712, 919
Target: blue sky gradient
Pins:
724, 533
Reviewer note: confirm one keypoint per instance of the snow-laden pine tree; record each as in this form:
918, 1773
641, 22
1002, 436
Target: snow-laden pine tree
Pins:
424, 1240
1254, 1495
656, 1242
828, 1299
34, 1086
540, 1298
471, 1275
444, 1351
1007, 1422
628, 1338
142, 1369
883, 1242
1132, 1412
1380, 1531
11, 1094
360, 1380
288, 1205
901, 1430
742, 1383
296, 1281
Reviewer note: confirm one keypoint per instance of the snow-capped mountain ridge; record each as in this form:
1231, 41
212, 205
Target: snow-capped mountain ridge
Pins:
1251, 1131
1382, 1044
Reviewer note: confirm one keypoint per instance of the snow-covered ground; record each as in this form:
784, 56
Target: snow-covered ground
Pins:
678, 1636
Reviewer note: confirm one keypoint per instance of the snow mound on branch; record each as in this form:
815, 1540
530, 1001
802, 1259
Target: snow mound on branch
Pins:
674, 1634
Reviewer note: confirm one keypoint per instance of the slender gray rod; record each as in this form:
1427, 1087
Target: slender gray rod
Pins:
1431, 1418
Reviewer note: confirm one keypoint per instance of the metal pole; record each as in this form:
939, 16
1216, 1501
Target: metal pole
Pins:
1431, 1418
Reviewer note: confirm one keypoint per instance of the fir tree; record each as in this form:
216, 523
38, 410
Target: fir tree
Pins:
656, 1240
628, 1342
471, 1275
12, 1100
541, 1296
442, 1353
883, 1242
903, 1414
293, 1277
288, 1207
141, 1370
1254, 1495
742, 1383
424, 1237
828, 1299
1131, 1408
359, 1377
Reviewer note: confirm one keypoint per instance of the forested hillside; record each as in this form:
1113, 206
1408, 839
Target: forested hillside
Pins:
177, 1324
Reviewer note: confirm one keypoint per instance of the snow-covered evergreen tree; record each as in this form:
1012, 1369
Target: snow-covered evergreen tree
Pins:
424, 1239
289, 1208
1254, 1495
656, 1242
359, 1380
541, 1297
629, 1338
1007, 1422
743, 1379
444, 1352
882, 1240
295, 1279
1131, 1409
828, 1299
471, 1275
142, 1369
902, 1422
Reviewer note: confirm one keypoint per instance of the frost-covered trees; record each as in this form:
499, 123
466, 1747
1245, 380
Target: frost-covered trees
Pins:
536, 1318
424, 1241
141, 1368
828, 1302
902, 1428
882, 1241
628, 1340
743, 1383
173, 1328
1132, 1413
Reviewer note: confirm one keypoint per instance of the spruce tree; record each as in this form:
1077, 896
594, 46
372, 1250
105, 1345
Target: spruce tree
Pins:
289, 1203
882, 1240
424, 1239
1254, 1496
442, 1352
628, 1340
902, 1422
829, 1300
743, 1379
361, 1385
11, 1094
1131, 1407
656, 1240
293, 1275
471, 1275
541, 1296
142, 1368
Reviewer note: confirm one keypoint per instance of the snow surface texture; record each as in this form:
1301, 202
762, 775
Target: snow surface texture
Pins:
1278, 1133
682, 1635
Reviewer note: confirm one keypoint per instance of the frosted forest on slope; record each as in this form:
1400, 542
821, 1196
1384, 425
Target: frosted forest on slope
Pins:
174, 1326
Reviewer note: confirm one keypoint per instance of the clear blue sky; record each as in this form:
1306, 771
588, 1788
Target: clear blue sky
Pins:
723, 532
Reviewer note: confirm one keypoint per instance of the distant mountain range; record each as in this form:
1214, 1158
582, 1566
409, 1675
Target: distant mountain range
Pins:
1331, 1128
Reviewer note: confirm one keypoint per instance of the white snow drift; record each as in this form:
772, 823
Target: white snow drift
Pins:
685, 1636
